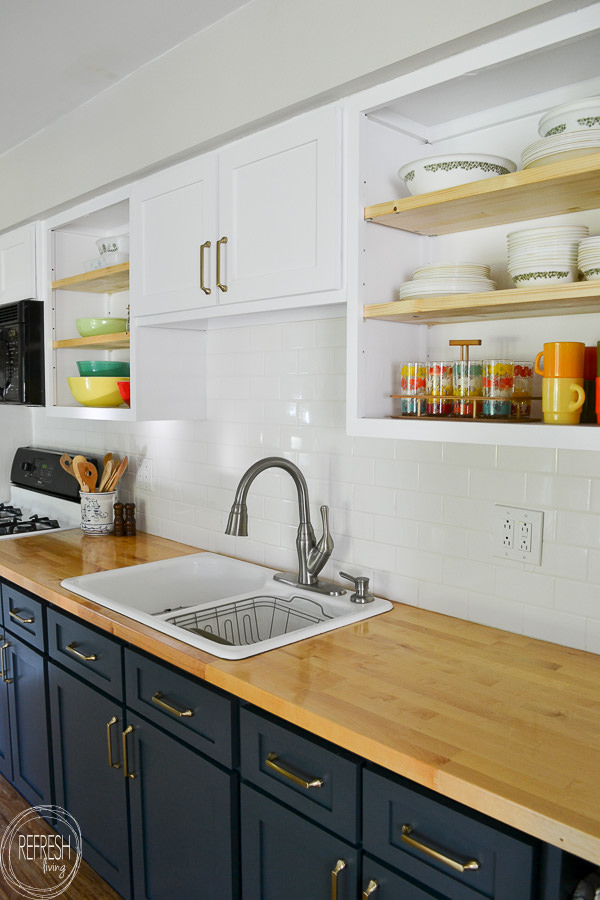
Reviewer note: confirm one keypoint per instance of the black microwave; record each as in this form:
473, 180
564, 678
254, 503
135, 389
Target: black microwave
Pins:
22, 353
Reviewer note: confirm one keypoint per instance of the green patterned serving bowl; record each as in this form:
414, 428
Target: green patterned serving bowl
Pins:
434, 173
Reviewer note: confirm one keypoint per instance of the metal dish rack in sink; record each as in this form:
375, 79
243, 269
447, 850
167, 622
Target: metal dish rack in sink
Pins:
252, 619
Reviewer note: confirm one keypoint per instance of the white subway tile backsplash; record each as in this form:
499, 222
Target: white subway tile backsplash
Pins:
527, 459
416, 516
558, 491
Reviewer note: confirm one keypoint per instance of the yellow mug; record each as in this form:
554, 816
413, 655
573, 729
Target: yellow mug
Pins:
562, 399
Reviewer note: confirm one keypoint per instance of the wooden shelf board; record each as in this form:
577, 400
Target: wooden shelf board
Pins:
554, 189
110, 280
517, 303
119, 341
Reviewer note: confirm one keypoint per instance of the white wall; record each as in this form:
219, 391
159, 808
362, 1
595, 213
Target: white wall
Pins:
268, 57
415, 516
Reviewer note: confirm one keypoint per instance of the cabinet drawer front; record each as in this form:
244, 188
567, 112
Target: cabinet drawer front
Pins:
315, 779
405, 825
185, 707
23, 615
91, 655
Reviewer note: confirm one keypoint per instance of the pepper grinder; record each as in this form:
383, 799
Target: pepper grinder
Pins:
129, 519
119, 521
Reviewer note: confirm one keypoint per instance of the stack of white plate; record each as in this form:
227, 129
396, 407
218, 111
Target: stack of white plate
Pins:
559, 147
547, 255
450, 278
588, 258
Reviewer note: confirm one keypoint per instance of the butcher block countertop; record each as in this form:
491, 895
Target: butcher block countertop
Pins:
508, 725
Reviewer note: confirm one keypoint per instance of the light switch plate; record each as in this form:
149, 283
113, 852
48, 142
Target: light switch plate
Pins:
517, 534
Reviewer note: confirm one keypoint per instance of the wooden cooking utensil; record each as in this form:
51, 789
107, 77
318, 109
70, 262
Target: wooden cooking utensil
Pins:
67, 464
88, 475
117, 474
108, 471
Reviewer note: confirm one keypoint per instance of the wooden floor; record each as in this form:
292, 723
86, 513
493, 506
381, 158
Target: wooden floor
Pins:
86, 885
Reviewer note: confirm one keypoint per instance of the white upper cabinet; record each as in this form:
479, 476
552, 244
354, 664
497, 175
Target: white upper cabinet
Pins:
280, 210
18, 264
256, 223
173, 218
489, 99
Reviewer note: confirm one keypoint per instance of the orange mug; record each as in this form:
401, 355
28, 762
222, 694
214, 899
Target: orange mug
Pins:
562, 359
562, 399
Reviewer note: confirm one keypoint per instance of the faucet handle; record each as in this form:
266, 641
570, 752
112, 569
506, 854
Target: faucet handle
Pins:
361, 583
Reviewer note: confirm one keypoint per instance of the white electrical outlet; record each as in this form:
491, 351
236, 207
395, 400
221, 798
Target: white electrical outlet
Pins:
517, 534
144, 474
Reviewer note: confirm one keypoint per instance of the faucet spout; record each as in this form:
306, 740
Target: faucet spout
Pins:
311, 556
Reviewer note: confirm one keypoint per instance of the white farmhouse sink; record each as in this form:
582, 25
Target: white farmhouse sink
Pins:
227, 607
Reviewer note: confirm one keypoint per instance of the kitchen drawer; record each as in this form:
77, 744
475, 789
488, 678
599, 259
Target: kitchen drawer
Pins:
23, 615
315, 778
89, 653
192, 711
503, 861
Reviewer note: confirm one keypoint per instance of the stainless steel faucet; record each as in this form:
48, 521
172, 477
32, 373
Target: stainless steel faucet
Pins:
312, 556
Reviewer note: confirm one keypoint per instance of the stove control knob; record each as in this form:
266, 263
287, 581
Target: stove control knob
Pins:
27, 466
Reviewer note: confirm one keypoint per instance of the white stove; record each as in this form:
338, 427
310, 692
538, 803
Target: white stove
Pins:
43, 497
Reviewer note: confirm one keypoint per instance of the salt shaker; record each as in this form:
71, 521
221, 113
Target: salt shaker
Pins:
119, 521
129, 519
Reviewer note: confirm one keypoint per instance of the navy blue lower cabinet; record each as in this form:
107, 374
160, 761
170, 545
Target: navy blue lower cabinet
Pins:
286, 856
24, 674
89, 774
183, 810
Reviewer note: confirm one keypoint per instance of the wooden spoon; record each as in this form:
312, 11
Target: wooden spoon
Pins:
88, 475
117, 474
108, 471
67, 464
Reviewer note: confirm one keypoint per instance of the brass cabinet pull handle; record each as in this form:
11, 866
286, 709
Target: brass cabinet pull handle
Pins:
271, 762
2, 669
470, 865
339, 867
126, 771
14, 614
72, 649
203, 247
171, 707
220, 242
109, 725
370, 889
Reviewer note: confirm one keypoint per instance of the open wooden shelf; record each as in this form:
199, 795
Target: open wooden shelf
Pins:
517, 303
550, 190
119, 341
110, 280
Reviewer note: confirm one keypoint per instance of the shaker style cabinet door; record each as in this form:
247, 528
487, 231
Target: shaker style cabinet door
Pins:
17, 265
183, 832
173, 228
286, 856
280, 210
89, 777
24, 670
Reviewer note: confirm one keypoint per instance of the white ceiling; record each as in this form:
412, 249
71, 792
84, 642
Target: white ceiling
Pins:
57, 54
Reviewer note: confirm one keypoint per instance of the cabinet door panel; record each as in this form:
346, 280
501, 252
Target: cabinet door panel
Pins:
28, 723
284, 855
280, 209
184, 842
17, 265
172, 215
86, 785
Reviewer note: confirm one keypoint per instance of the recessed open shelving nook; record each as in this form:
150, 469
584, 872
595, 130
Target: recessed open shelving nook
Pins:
488, 99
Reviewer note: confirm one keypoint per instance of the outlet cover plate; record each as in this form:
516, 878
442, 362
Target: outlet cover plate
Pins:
517, 534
